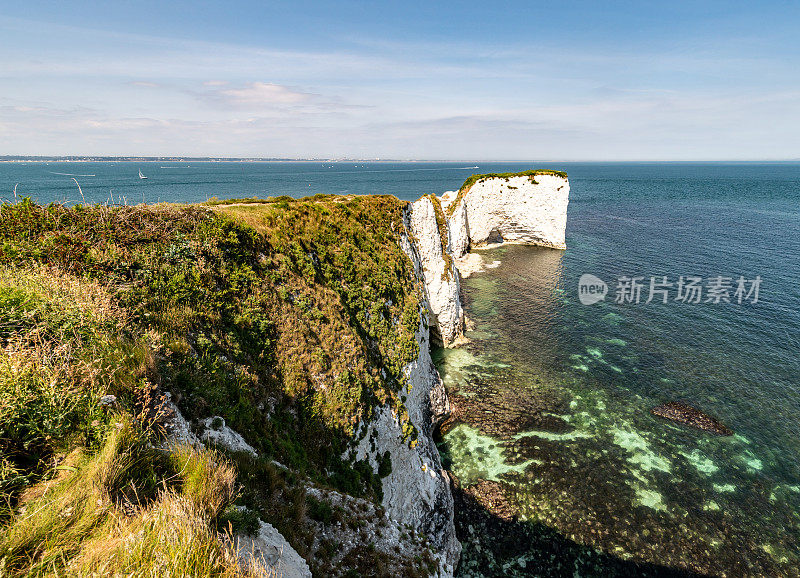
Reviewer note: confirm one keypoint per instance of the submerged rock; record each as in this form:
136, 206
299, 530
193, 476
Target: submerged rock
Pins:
693, 417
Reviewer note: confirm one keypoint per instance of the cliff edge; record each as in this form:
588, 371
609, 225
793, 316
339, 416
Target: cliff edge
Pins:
283, 345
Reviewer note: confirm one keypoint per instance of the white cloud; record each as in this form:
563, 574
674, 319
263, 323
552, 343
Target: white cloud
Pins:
434, 100
263, 93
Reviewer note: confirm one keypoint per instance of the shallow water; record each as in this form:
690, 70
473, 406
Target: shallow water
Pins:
554, 397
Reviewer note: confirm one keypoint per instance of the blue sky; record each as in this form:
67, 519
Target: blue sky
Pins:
409, 80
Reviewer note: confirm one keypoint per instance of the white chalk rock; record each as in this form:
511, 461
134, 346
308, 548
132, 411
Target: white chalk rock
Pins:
269, 551
217, 432
417, 491
458, 231
177, 429
438, 271
518, 209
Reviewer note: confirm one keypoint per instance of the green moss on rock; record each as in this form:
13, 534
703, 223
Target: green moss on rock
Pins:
441, 224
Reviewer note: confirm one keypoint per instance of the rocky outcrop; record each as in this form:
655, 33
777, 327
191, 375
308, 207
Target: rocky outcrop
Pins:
435, 267
177, 430
363, 523
527, 208
216, 432
417, 491
269, 554
458, 229
265, 554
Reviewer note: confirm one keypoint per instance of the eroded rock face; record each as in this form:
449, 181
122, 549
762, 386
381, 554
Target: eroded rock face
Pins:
693, 417
436, 269
458, 230
417, 491
512, 210
268, 553
177, 429
375, 529
215, 431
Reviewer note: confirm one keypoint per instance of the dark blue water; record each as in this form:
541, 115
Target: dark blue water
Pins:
193, 182
555, 395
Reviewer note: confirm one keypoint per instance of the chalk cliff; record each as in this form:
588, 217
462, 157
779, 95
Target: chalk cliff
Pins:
435, 268
416, 493
528, 208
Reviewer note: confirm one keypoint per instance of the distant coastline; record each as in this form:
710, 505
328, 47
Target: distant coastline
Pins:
101, 159
220, 159
126, 159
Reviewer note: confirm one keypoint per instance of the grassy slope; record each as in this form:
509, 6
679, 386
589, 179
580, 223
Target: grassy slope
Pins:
278, 316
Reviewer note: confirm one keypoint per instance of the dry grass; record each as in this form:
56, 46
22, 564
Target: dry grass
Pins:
97, 516
114, 505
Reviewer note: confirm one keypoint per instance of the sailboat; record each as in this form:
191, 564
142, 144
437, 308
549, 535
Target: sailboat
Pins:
141, 176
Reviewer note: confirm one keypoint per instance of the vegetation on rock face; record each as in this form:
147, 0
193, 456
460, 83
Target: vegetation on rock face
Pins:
478, 178
441, 224
291, 319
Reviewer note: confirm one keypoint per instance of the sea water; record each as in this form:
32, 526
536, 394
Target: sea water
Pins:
553, 397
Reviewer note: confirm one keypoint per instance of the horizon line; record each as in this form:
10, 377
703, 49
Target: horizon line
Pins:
217, 158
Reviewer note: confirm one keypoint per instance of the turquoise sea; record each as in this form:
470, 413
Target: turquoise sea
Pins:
553, 427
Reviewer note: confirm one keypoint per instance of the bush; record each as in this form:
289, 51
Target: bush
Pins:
239, 520
319, 510
385, 465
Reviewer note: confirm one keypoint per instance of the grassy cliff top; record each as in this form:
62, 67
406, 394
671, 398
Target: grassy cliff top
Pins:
532, 174
291, 319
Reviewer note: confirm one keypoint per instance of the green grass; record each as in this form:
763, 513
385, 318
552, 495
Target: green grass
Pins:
125, 510
478, 178
61, 351
81, 482
291, 319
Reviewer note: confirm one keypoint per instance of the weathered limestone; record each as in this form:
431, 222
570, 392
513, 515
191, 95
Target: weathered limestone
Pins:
215, 431
268, 553
436, 270
417, 491
178, 431
512, 209
458, 229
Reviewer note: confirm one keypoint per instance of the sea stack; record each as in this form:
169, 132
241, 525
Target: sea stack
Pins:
528, 208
